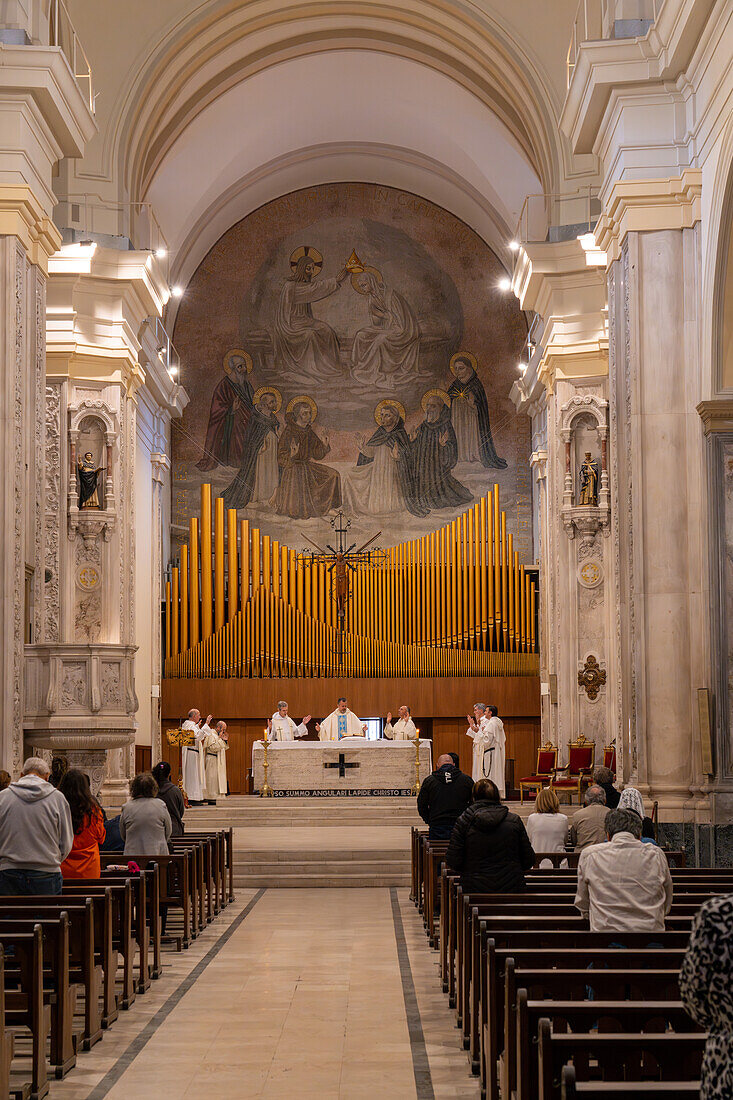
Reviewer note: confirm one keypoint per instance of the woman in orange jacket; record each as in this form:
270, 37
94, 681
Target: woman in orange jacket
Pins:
87, 820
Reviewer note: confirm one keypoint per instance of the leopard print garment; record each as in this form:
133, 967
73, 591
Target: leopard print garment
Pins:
706, 985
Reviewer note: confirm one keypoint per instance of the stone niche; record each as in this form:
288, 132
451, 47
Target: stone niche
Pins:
583, 428
80, 702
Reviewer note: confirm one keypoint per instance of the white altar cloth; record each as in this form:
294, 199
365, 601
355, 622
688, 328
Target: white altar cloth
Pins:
352, 765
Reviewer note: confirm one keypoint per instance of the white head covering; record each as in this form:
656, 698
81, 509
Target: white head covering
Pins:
631, 800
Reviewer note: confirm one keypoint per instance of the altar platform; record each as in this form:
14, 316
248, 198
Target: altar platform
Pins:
351, 767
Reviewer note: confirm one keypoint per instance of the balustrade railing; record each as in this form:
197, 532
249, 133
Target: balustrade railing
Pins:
62, 33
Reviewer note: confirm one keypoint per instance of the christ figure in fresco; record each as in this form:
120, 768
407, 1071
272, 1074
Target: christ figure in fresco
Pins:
470, 414
385, 352
435, 452
231, 404
306, 348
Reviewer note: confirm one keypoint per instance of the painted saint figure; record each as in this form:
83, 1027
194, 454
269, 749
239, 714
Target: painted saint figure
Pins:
231, 404
470, 414
88, 475
589, 480
306, 348
435, 453
257, 479
306, 488
384, 478
385, 352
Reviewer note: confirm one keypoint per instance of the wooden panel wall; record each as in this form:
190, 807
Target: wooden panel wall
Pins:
438, 707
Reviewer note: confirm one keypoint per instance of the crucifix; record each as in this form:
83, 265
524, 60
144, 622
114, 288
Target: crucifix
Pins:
342, 559
342, 765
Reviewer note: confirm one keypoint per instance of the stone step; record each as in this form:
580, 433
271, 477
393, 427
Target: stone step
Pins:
320, 881
310, 855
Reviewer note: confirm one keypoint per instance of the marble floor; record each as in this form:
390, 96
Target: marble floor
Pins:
311, 993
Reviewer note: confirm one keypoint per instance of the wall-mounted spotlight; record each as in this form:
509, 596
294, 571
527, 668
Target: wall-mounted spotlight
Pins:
176, 291
514, 246
161, 253
505, 283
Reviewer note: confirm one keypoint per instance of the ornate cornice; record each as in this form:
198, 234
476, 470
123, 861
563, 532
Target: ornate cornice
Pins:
643, 206
716, 416
23, 215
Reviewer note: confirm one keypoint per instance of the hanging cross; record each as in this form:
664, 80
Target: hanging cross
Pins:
342, 559
342, 765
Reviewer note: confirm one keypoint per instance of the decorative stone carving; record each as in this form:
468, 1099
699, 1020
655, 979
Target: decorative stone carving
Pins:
52, 484
73, 686
591, 677
81, 700
88, 617
590, 573
578, 518
92, 412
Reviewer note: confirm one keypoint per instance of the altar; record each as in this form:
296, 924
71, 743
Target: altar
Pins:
352, 766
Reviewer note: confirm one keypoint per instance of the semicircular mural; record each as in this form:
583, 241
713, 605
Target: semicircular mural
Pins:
347, 346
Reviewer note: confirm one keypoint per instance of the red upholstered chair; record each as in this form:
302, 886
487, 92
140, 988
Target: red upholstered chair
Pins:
609, 759
579, 768
546, 765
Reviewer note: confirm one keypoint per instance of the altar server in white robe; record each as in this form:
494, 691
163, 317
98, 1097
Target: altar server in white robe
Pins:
342, 722
404, 727
489, 745
281, 726
215, 744
192, 757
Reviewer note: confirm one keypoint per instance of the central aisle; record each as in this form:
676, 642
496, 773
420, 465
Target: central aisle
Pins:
329, 993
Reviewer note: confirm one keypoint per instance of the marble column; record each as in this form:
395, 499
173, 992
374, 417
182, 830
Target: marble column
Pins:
657, 487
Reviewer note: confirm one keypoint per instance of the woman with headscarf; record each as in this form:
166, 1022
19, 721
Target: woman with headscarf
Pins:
631, 800
385, 352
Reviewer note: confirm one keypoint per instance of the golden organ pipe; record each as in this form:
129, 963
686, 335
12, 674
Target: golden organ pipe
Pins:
497, 567
219, 563
175, 607
184, 598
168, 619
232, 565
504, 585
193, 579
206, 589
510, 587
517, 596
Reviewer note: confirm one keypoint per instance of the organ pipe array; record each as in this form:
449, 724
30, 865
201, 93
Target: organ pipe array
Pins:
455, 602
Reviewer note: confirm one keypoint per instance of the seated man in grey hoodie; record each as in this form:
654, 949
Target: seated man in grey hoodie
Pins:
36, 834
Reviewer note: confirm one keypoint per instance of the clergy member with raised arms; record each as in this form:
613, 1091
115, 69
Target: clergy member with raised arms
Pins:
281, 726
192, 757
341, 723
404, 727
489, 744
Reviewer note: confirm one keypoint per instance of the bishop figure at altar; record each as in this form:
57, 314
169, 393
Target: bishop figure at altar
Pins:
340, 723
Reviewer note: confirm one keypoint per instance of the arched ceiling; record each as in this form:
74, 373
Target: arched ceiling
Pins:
341, 115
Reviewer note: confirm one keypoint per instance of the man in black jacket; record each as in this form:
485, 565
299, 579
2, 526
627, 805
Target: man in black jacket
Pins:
489, 846
443, 797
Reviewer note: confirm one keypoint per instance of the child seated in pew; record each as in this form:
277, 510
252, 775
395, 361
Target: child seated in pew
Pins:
87, 821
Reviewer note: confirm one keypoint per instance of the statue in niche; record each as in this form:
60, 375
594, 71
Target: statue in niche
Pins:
88, 475
589, 480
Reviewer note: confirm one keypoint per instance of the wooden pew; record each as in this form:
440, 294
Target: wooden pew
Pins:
569, 949
562, 983
580, 1018
626, 1090
147, 907
178, 889
85, 970
140, 916
6, 1037
59, 993
29, 1011
677, 1057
